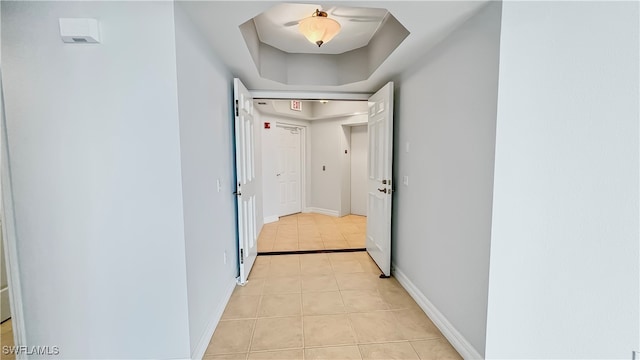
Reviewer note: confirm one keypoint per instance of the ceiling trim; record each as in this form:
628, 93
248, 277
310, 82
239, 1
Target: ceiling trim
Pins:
308, 95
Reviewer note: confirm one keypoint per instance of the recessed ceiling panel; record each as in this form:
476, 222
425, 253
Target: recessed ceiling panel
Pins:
282, 54
278, 27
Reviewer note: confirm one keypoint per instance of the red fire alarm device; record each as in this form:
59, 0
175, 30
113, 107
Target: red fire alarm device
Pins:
267, 125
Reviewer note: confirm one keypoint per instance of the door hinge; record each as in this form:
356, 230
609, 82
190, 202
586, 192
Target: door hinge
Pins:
241, 256
237, 108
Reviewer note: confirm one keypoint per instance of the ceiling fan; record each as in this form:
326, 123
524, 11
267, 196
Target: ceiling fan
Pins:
334, 12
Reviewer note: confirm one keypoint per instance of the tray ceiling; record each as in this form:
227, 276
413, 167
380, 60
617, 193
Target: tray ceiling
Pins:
278, 27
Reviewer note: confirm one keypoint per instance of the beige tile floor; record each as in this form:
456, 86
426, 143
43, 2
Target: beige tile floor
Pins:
6, 339
313, 232
324, 306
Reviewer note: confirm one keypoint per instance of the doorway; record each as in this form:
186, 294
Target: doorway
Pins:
358, 178
327, 160
307, 170
289, 175
6, 324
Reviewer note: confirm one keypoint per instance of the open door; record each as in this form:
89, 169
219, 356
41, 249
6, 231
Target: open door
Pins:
245, 179
379, 171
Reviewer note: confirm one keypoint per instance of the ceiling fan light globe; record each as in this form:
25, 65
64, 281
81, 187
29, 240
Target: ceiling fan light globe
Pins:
319, 29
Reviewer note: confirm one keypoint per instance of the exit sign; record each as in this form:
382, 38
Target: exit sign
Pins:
296, 105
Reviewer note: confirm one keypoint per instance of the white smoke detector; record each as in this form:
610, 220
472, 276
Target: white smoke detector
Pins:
79, 31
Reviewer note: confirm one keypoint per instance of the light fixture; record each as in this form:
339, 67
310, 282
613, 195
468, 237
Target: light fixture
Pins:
318, 28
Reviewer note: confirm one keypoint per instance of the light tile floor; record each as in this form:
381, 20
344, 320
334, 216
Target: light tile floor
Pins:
324, 306
6, 339
313, 232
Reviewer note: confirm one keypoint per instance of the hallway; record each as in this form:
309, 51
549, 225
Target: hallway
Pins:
324, 306
313, 232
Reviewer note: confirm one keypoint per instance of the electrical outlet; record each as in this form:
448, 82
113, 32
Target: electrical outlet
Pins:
219, 184
405, 180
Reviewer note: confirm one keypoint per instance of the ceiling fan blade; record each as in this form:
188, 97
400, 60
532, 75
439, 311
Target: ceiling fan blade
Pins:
331, 10
361, 18
364, 20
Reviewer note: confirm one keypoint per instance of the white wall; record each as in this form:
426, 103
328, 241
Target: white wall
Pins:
206, 150
283, 108
334, 109
95, 158
311, 109
564, 248
327, 149
359, 145
446, 110
268, 157
259, 179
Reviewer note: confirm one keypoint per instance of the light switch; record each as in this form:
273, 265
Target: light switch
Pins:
219, 184
405, 180
406, 148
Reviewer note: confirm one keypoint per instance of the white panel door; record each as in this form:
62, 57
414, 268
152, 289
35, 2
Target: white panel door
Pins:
289, 174
245, 179
379, 190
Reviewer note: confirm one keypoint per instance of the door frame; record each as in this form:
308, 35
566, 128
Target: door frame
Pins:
345, 167
350, 190
9, 236
303, 160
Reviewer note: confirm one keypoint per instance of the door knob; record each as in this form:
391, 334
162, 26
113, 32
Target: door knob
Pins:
383, 190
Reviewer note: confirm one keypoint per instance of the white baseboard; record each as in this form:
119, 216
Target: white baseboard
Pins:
464, 347
270, 219
321, 211
201, 348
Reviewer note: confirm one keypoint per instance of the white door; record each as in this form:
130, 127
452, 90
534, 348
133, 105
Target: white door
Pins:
289, 175
245, 179
379, 190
